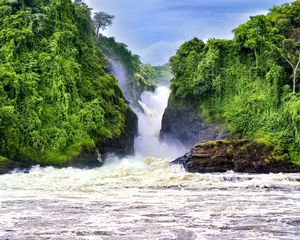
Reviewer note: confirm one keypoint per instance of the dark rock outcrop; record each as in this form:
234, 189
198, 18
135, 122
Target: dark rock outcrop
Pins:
87, 159
120, 146
244, 156
7, 165
124, 144
185, 123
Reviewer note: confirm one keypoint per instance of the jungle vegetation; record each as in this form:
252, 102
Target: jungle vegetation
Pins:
251, 82
141, 77
55, 96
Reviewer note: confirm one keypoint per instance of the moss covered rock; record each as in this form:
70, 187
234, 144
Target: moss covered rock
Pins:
247, 156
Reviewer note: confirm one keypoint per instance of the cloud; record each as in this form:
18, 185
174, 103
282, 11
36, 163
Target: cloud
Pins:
154, 29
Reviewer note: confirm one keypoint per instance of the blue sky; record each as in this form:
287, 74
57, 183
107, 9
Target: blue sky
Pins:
154, 29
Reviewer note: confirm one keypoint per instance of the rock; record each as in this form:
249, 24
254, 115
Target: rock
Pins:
7, 165
124, 144
182, 160
244, 156
185, 123
87, 159
121, 146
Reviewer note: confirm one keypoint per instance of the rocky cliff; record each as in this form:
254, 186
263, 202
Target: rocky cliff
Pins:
185, 123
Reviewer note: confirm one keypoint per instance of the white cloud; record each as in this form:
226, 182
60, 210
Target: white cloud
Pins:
154, 29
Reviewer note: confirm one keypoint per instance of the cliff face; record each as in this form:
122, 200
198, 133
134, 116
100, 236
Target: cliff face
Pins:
121, 146
184, 122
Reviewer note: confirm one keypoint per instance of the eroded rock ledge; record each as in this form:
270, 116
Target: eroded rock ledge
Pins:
243, 156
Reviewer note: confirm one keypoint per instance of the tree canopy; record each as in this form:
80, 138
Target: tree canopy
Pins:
251, 82
102, 20
55, 97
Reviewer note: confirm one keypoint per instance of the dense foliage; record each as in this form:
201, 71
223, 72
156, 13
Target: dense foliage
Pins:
250, 82
141, 77
55, 96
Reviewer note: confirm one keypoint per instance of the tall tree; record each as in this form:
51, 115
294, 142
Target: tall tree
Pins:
291, 53
102, 20
80, 3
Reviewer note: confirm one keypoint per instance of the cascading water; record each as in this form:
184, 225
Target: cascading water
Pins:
150, 112
143, 197
148, 143
118, 70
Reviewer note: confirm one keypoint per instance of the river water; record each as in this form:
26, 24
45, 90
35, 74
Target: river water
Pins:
143, 197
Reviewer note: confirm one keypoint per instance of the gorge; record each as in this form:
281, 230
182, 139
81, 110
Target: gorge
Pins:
144, 197
95, 144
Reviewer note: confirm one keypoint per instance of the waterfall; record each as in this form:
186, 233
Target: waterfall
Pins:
141, 197
150, 112
120, 73
148, 143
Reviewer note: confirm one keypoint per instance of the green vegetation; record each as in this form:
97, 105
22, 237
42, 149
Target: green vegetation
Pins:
102, 20
3, 159
250, 82
141, 77
163, 74
55, 96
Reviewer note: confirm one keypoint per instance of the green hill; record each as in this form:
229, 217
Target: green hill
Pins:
55, 97
251, 82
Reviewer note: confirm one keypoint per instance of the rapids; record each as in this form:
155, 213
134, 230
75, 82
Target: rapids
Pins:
148, 143
144, 197
147, 199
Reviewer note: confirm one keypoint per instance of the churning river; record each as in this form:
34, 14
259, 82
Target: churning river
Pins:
143, 197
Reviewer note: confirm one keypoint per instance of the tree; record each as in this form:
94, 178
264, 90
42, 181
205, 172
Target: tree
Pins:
256, 34
184, 65
102, 20
291, 53
80, 3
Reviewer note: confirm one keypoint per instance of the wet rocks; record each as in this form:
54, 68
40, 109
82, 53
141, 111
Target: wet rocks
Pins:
7, 165
120, 146
87, 159
124, 144
244, 156
185, 123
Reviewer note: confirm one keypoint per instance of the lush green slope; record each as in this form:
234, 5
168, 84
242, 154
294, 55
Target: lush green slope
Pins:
55, 96
141, 77
247, 82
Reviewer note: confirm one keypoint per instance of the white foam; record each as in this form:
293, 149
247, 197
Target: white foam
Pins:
150, 119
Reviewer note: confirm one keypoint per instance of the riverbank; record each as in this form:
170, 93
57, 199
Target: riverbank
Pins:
245, 156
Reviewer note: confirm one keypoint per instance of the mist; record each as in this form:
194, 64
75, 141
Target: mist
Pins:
147, 143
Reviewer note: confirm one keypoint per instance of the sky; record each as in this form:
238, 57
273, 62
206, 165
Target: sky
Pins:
155, 29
